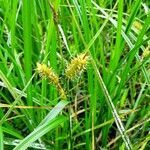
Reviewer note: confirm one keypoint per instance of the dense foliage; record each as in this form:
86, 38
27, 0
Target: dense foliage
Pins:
74, 74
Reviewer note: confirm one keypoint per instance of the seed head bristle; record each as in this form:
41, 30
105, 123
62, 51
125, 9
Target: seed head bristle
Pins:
48, 73
77, 65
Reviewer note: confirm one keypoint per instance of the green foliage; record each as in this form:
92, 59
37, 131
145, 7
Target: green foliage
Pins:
106, 105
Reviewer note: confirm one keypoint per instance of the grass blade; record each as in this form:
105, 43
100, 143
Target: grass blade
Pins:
39, 132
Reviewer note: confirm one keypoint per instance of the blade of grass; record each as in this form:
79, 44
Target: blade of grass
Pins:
114, 58
15, 142
12, 132
39, 132
27, 32
117, 52
50, 122
112, 108
16, 97
54, 112
1, 138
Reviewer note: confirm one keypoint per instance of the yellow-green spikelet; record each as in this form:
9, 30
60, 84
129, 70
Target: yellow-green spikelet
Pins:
77, 65
48, 73
146, 52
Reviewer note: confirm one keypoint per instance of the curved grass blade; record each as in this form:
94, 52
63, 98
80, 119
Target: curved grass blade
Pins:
39, 132
50, 122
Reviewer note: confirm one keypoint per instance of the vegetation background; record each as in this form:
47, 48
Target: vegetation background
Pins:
107, 106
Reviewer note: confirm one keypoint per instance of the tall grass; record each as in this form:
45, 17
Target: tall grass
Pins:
106, 102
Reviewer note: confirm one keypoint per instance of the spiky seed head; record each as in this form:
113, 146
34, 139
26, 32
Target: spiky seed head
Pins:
48, 73
77, 65
146, 52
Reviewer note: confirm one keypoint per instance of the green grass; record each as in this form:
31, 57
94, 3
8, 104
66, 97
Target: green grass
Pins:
107, 106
